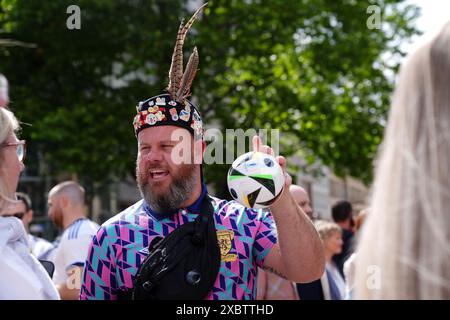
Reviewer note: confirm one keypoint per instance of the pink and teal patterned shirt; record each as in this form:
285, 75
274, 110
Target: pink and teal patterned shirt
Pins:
245, 238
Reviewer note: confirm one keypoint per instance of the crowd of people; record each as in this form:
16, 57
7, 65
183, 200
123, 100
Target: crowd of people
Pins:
178, 241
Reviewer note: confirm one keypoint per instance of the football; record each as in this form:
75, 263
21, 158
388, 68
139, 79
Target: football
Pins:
255, 180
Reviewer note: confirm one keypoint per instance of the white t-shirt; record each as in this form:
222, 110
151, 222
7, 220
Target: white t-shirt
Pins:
73, 248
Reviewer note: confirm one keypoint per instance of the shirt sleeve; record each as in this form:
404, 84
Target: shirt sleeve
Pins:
266, 236
99, 277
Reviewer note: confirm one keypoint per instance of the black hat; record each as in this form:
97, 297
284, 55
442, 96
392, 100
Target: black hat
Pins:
162, 110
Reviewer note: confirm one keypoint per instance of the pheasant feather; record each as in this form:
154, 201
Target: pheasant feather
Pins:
188, 77
176, 67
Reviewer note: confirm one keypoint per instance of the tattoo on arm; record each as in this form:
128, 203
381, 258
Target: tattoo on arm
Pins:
270, 269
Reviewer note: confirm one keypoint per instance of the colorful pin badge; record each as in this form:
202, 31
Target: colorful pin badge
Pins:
160, 101
151, 119
173, 113
184, 115
160, 116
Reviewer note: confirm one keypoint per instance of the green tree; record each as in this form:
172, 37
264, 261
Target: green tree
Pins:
312, 69
78, 88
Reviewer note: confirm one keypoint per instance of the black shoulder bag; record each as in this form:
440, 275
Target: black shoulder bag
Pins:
183, 265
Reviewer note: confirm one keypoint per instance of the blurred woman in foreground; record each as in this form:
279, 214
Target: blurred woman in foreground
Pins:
404, 251
21, 275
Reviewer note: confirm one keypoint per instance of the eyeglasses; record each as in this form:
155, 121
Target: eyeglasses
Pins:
20, 148
18, 215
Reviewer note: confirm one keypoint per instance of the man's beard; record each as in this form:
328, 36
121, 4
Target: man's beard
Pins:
168, 201
57, 219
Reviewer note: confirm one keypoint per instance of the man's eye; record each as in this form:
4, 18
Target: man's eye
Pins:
167, 146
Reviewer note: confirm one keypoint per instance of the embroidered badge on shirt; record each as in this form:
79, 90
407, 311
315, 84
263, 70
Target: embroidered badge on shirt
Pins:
224, 239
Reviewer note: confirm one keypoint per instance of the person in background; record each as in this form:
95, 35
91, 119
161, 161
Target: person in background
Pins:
333, 283
349, 265
404, 250
302, 198
66, 203
40, 248
311, 290
21, 275
342, 213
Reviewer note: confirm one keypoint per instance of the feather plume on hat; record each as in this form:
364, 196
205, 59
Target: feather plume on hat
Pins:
179, 83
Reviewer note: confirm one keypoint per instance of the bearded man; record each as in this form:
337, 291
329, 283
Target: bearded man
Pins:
169, 133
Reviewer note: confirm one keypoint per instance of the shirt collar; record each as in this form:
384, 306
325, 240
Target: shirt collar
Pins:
73, 222
193, 208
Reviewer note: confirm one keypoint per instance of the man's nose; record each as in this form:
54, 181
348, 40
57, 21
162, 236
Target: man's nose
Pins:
154, 156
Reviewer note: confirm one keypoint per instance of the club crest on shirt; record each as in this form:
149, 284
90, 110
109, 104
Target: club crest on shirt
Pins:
224, 239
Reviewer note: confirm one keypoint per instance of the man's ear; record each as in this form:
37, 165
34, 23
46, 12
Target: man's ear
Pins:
64, 201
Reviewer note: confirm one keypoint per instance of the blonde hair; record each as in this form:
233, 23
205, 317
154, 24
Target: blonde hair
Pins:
8, 125
326, 229
406, 236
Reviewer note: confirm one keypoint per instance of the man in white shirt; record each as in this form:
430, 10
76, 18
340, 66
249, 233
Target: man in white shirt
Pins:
66, 202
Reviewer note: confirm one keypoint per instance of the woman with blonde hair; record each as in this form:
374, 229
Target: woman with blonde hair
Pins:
404, 251
21, 275
333, 285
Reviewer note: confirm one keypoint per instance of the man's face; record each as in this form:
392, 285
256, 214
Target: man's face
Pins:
165, 184
55, 211
302, 199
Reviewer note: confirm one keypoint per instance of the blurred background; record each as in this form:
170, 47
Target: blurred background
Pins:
322, 72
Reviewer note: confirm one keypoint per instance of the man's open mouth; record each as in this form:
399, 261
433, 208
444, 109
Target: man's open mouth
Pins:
158, 174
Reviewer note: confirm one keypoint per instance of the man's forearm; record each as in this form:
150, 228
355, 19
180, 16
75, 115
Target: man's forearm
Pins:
300, 245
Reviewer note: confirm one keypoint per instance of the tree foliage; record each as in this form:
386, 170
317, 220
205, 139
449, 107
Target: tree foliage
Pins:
312, 69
